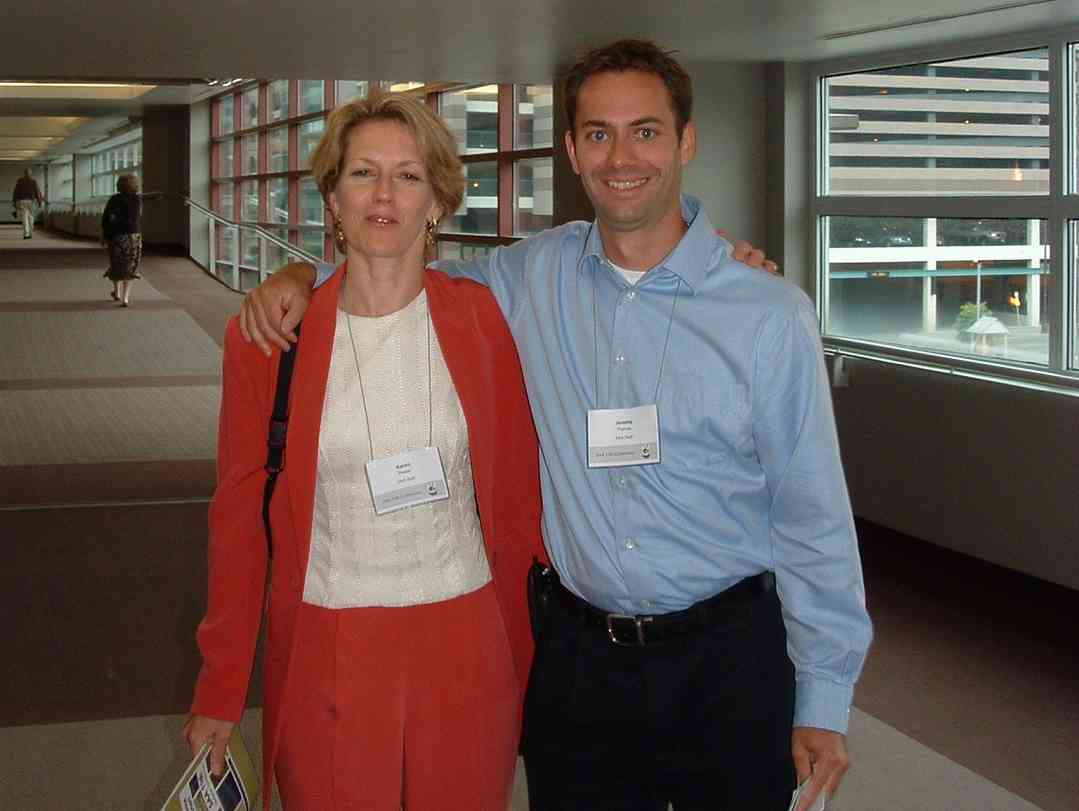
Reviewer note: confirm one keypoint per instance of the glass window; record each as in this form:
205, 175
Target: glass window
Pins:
348, 90
278, 141
225, 120
472, 116
276, 256
309, 136
225, 200
952, 286
250, 104
1073, 231
310, 95
278, 198
226, 242
249, 248
249, 154
479, 210
277, 100
975, 126
533, 124
1073, 60
533, 209
312, 209
225, 159
313, 241
461, 251
249, 202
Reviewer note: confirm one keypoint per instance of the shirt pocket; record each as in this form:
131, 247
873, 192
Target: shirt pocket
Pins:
703, 422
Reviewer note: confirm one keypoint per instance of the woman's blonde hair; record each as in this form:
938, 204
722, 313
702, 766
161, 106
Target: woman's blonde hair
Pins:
437, 146
127, 184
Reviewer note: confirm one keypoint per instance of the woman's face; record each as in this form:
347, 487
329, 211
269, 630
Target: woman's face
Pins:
383, 194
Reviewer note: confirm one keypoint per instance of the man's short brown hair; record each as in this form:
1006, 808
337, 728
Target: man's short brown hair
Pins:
435, 142
631, 54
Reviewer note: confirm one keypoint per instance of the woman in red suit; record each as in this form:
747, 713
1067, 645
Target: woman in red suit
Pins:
405, 519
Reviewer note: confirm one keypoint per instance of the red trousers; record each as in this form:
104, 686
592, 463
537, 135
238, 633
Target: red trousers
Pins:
415, 707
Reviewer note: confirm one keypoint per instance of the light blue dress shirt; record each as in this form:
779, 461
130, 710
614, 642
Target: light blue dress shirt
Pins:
750, 478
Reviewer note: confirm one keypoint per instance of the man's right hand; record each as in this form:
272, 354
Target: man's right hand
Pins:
271, 311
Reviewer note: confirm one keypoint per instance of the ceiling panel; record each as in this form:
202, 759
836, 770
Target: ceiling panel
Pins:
471, 39
26, 137
461, 40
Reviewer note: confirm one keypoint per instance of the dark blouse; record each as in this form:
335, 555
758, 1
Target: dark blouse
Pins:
121, 215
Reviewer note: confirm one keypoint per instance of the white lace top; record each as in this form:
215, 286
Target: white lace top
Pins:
420, 554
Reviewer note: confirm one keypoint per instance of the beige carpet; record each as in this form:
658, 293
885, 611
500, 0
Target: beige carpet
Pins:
112, 343
100, 402
83, 426
132, 763
65, 284
11, 239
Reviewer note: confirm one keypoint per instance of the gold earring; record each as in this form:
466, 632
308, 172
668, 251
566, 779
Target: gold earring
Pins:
432, 227
339, 234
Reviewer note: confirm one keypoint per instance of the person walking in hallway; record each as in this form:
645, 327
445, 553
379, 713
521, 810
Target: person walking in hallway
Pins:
26, 198
120, 230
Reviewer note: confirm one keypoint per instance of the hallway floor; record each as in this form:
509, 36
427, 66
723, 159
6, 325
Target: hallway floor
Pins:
970, 697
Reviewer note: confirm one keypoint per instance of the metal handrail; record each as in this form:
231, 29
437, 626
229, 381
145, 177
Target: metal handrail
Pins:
258, 229
233, 266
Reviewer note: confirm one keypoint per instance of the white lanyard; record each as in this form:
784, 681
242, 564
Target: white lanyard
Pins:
621, 437
413, 476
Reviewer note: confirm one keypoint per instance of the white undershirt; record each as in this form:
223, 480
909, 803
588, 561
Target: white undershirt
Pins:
421, 554
631, 276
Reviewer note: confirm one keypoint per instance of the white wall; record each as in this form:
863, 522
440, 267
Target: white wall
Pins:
199, 181
729, 172
982, 468
83, 175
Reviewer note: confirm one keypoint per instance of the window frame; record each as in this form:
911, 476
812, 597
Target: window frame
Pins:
505, 157
291, 122
107, 177
1059, 207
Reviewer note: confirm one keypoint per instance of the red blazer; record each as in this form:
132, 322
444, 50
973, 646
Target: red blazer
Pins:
483, 364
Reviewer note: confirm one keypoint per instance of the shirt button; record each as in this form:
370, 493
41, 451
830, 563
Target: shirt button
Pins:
647, 604
630, 543
620, 359
621, 481
632, 294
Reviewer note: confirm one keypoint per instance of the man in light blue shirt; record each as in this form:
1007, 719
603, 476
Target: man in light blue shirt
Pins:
710, 622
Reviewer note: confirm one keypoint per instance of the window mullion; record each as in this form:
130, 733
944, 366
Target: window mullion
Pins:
505, 165
1059, 328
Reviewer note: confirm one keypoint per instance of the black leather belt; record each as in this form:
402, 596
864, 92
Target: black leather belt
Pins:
630, 630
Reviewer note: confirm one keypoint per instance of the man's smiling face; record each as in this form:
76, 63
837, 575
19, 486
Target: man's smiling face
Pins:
625, 146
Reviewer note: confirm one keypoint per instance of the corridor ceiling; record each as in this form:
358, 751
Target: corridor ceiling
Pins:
459, 40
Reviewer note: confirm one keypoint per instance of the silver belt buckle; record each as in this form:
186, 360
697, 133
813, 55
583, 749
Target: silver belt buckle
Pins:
638, 625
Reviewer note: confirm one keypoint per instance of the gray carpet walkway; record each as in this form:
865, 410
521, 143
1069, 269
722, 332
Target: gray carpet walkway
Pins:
85, 382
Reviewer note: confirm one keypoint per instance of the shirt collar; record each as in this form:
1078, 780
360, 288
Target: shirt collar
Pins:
691, 257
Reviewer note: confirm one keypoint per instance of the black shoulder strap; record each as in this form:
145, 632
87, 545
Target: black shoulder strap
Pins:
275, 442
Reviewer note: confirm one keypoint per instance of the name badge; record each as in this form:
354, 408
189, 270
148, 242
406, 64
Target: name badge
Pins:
407, 479
619, 437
